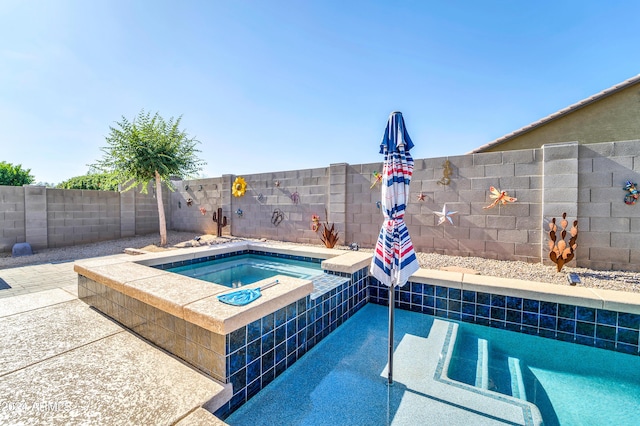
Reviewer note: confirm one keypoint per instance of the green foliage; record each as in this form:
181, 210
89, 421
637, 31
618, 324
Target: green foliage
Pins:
14, 175
97, 181
138, 149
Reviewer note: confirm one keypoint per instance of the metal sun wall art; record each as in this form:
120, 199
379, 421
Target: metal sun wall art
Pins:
632, 196
239, 187
499, 197
444, 215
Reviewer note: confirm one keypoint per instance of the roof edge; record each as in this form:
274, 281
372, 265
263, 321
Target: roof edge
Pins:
571, 108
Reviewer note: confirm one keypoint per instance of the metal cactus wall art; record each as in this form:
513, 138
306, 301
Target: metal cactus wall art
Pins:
220, 220
561, 252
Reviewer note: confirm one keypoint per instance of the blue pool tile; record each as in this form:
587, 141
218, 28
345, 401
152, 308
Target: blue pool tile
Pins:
442, 291
429, 301
497, 324
268, 360
441, 303
455, 294
514, 303
281, 317
468, 308
547, 322
416, 299
585, 314
237, 361
405, 297
281, 352
483, 311
498, 300
585, 329
513, 327
565, 337
626, 348
566, 325
605, 344
454, 306
254, 330
291, 328
442, 313
268, 323
468, 296
237, 339
428, 290
530, 319
566, 311
549, 334
483, 298
468, 318
280, 367
627, 320
606, 317
456, 316
281, 335
428, 310
626, 335
548, 308
482, 321
527, 329
498, 313
253, 388
529, 305
254, 350
514, 316
253, 371
292, 345
416, 288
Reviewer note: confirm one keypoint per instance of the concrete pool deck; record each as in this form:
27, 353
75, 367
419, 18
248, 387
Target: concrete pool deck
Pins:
63, 363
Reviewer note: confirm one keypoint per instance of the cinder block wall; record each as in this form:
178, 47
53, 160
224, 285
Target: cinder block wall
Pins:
585, 181
12, 220
80, 216
47, 217
203, 193
609, 235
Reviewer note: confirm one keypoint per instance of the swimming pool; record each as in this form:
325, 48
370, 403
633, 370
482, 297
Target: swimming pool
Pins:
343, 379
570, 384
243, 269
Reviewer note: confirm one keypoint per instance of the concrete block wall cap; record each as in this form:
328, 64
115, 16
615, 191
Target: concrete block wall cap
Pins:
215, 316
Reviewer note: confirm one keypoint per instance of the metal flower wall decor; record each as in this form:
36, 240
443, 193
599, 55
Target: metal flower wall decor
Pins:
239, 187
632, 196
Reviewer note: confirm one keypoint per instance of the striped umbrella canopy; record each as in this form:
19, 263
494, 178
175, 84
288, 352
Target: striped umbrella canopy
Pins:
394, 260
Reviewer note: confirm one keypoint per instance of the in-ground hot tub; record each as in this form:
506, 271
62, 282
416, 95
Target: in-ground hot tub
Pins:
244, 347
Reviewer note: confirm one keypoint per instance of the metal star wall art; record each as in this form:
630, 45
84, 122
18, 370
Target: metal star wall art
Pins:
421, 197
444, 215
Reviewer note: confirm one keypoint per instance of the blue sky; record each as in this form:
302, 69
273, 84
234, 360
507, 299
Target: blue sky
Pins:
270, 85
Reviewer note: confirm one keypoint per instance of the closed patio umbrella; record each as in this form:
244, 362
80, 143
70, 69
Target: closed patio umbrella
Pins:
394, 259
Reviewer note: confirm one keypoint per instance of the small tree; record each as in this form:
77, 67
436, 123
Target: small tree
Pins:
149, 149
14, 175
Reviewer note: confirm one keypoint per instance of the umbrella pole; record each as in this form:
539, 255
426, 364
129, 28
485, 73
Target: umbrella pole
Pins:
391, 322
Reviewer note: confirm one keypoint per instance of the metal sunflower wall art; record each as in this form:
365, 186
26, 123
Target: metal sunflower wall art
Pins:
239, 187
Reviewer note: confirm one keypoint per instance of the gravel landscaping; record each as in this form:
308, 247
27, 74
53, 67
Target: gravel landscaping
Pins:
612, 280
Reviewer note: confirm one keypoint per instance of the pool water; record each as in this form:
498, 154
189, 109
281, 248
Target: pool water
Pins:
571, 384
244, 269
342, 380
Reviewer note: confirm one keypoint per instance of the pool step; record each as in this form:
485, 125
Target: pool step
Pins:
482, 365
517, 382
